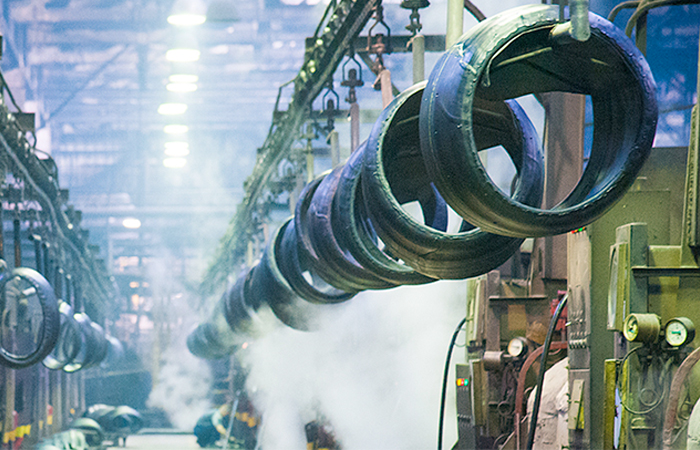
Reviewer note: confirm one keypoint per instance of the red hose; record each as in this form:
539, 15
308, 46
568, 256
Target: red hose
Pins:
674, 396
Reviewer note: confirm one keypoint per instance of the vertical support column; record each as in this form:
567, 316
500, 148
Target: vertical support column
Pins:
385, 84
418, 51
56, 387
579, 330
9, 387
81, 393
354, 126
334, 143
455, 22
563, 143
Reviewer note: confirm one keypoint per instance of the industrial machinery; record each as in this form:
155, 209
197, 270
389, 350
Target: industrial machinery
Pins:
615, 222
54, 292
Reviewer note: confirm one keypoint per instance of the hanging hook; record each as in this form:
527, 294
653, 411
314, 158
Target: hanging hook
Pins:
377, 45
414, 5
351, 79
330, 106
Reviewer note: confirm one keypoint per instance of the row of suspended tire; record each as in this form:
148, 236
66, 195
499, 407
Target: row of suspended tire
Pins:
37, 327
425, 148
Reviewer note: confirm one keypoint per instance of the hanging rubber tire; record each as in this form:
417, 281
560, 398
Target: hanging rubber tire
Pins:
306, 250
520, 52
115, 353
322, 237
268, 283
393, 157
357, 235
100, 346
86, 349
69, 340
293, 268
240, 315
28, 286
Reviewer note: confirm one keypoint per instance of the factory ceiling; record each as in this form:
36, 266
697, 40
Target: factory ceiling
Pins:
96, 72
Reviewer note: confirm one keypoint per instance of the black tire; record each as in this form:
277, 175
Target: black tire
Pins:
69, 341
293, 268
51, 319
357, 235
488, 64
319, 218
394, 146
269, 284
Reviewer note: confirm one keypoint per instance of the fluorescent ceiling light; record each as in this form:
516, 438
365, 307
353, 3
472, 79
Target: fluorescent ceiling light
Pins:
182, 55
171, 109
177, 149
175, 129
174, 163
177, 144
131, 223
186, 20
183, 78
181, 87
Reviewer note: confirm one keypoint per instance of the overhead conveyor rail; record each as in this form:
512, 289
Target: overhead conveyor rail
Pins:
42, 180
340, 26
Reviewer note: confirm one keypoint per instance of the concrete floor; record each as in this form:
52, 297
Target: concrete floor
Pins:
160, 442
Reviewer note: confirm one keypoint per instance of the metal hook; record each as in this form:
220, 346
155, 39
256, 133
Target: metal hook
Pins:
352, 80
380, 47
327, 104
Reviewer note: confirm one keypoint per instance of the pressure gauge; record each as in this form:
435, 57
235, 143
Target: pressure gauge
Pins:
642, 328
517, 347
679, 331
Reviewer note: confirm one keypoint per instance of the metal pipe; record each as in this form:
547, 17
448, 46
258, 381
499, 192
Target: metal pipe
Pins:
418, 50
455, 21
335, 148
17, 228
674, 396
354, 126
385, 84
580, 26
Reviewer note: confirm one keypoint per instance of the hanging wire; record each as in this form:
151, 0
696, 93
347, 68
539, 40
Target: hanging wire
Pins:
441, 421
543, 369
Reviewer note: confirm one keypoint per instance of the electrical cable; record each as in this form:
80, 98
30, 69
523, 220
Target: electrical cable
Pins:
654, 405
644, 7
444, 382
543, 368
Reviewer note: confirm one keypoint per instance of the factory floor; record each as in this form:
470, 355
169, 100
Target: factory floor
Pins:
160, 442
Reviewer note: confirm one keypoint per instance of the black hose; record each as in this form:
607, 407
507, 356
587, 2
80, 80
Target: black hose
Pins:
540, 376
444, 381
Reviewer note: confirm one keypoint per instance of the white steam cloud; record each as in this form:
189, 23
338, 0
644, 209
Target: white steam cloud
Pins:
374, 371
182, 387
182, 382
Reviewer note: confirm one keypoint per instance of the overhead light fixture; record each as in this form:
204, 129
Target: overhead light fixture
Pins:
175, 129
174, 163
188, 13
181, 87
183, 78
177, 149
132, 223
172, 109
186, 20
182, 55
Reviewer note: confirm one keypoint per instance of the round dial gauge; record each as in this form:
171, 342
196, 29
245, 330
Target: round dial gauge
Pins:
517, 347
679, 331
631, 328
642, 327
